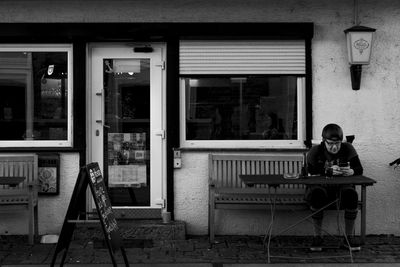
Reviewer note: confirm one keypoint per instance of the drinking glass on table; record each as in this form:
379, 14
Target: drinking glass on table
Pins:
328, 170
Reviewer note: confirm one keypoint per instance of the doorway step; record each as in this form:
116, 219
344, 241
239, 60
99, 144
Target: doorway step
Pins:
135, 233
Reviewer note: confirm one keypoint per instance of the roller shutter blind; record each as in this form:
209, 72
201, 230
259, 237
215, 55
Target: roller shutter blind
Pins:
242, 57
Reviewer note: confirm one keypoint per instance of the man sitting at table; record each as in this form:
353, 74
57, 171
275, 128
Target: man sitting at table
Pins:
339, 158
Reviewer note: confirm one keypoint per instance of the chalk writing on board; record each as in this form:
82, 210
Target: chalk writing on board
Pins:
102, 201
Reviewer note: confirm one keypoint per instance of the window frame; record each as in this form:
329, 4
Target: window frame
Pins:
68, 48
264, 144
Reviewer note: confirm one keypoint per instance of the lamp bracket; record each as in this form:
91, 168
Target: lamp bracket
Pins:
355, 72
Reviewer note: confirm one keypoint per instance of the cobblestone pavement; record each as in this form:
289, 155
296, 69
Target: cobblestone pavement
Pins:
14, 250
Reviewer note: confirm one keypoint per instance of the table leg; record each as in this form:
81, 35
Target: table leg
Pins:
363, 212
268, 235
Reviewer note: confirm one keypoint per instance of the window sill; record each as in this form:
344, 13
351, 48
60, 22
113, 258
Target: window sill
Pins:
203, 149
39, 149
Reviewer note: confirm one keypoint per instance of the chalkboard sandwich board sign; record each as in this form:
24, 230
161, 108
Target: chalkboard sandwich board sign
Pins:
90, 175
103, 206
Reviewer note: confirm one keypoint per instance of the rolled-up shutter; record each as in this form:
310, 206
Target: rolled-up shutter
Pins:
242, 57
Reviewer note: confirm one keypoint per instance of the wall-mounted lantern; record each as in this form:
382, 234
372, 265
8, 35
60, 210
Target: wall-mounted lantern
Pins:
359, 44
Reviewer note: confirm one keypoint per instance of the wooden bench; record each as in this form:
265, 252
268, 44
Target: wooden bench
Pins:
19, 187
227, 191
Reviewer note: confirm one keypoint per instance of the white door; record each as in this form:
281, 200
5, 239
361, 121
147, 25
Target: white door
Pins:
126, 112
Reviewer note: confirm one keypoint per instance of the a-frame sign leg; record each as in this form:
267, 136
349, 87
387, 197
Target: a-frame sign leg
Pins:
74, 209
63, 257
124, 256
113, 260
112, 250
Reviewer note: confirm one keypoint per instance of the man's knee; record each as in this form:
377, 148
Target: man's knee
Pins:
317, 197
349, 199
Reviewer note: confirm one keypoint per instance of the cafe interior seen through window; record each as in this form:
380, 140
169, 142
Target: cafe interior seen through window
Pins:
34, 97
241, 108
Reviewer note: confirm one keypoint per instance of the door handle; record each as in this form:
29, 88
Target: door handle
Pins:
160, 133
104, 125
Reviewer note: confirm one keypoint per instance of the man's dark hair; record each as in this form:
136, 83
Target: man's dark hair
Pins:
332, 132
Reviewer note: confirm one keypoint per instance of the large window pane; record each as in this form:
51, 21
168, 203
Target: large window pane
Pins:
241, 108
34, 96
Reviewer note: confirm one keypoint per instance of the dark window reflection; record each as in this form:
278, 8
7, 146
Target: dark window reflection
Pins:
33, 95
241, 108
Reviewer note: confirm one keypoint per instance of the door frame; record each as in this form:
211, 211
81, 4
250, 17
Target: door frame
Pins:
159, 203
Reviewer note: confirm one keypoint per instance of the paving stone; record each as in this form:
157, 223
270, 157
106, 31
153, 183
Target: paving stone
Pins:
255, 245
15, 257
230, 249
202, 244
157, 253
186, 245
101, 256
230, 253
37, 257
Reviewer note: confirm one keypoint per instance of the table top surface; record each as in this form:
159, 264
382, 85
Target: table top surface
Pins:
11, 180
278, 179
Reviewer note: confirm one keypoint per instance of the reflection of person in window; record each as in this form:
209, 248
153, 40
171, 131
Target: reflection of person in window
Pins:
271, 129
216, 124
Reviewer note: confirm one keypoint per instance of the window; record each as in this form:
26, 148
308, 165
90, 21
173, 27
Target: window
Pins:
35, 95
242, 94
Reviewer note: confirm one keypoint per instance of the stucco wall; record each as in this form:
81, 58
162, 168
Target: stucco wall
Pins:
372, 114
52, 209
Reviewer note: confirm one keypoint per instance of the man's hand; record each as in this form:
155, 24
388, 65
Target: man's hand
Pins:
342, 171
347, 171
336, 170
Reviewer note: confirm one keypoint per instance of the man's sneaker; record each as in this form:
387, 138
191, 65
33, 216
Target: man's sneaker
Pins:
317, 243
353, 242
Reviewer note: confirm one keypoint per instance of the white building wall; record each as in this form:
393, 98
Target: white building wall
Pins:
52, 209
371, 114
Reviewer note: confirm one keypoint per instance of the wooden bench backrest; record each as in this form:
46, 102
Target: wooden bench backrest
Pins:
224, 169
24, 165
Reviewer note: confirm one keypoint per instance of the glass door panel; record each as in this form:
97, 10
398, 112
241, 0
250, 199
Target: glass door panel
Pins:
127, 130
